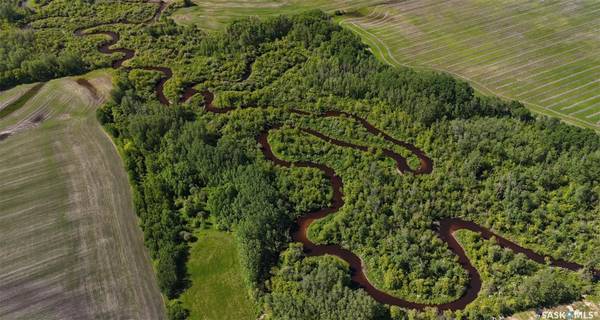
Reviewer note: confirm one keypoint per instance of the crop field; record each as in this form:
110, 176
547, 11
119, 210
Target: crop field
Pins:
542, 53
69, 239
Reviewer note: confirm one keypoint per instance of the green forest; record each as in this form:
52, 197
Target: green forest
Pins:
529, 178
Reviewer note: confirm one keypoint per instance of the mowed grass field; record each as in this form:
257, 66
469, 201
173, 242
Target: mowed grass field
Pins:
218, 291
215, 14
543, 53
70, 246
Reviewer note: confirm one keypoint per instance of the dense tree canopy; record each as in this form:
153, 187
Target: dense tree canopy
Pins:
487, 153
317, 288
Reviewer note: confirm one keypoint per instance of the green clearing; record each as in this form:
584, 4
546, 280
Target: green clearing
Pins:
540, 53
69, 239
218, 290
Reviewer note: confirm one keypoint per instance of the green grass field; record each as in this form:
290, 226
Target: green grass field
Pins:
211, 15
543, 53
217, 291
69, 240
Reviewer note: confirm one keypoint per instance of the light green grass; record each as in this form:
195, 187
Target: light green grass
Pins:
218, 291
212, 15
541, 53
529, 51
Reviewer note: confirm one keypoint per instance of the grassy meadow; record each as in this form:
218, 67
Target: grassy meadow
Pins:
213, 15
69, 239
218, 290
542, 53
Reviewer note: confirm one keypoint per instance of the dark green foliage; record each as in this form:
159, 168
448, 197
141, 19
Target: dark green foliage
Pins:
410, 260
549, 288
304, 188
493, 164
259, 243
514, 283
427, 97
317, 288
170, 269
10, 12
41, 45
176, 311
245, 36
21, 63
142, 132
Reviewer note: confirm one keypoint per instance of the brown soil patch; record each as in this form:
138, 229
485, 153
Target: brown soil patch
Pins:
86, 84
